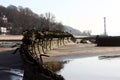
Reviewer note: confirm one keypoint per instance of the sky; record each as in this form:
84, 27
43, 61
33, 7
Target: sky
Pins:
79, 14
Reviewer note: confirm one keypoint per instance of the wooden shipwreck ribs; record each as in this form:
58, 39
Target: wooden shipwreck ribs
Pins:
33, 48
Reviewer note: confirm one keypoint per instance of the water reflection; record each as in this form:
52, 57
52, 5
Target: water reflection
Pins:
91, 68
109, 57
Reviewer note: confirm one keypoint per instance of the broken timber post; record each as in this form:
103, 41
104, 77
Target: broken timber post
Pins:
33, 47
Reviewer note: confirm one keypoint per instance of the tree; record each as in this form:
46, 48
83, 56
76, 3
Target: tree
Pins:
24, 18
87, 32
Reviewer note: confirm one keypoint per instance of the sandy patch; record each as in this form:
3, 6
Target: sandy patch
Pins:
11, 37
80, 50
74, 50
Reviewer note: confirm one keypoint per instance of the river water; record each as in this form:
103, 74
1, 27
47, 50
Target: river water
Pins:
91, 68
11, 67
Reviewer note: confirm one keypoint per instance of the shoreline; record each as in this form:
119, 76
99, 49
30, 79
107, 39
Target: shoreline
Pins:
73, 51
69, 51
63, 53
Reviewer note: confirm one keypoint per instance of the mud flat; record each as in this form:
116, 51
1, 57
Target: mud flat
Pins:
73, 51
70, 51
11, 37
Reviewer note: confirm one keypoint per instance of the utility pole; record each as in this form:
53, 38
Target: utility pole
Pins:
105, 33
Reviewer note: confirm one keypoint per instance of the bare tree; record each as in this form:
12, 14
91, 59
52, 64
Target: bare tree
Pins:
24, 18
87, 32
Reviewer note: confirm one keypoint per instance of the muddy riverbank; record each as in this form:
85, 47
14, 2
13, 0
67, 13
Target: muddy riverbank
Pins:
80, 50
70, 51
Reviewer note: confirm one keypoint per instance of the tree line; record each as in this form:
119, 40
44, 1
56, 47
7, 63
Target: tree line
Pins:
21, 19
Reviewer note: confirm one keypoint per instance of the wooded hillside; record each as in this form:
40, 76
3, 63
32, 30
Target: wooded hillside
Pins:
20, 19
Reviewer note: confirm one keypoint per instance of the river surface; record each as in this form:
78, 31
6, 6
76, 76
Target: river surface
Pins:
11, 67
91, 68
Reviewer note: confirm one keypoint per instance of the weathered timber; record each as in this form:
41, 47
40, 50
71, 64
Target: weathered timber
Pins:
33, 47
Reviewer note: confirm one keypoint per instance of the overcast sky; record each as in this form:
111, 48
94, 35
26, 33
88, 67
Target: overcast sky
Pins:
79, 14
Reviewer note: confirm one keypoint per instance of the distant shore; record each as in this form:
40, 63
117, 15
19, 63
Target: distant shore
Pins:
73, 50
11, 37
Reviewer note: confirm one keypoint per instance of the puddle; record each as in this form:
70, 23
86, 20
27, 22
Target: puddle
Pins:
92, 68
